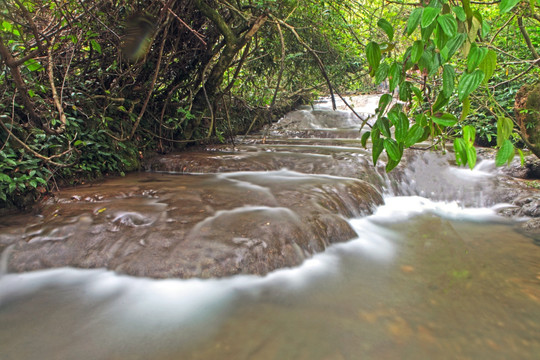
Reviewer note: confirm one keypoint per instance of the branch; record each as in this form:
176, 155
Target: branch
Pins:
314, 54
527, 38
282, 64
47, 160
537, 61
57, 101
217, 19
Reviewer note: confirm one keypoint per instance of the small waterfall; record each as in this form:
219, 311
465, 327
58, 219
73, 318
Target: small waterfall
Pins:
4, 259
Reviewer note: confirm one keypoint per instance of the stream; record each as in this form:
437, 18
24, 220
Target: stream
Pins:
289, 245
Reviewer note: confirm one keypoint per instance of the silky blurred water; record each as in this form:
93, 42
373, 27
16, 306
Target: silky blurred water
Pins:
423, 279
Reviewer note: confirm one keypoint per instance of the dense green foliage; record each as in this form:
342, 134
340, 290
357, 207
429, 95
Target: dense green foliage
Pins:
448, 72
89, 87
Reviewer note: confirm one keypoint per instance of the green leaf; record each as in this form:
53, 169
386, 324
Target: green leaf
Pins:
394, 75
460, 150
95, 45
373, 52
414, 20
405, 91
452, 46
365, 137
392, 149
401, 123
507, 5
469, 134
471, 156
33, 65
504, 129
413, 135
429, 15
381, 73
383, 103
391, 164
448, 24
383, 125
476, 55
449, 77
505, 154
445, 119
469, 82
460, 13
387, 28
12, 187
378, 145
33, 183
441, 101
486, 28
417, 50
488, 65
466, 108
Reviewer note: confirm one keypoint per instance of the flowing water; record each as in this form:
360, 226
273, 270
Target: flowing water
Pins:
433, 273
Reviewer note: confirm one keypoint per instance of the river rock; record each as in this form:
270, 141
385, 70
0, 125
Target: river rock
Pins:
215, 225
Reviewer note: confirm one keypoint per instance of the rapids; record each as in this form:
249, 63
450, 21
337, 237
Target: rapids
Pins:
293, 247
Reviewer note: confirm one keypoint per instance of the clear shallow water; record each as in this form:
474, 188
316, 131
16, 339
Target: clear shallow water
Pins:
423, 279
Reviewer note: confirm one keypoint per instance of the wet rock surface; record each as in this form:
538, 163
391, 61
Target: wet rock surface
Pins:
161, 225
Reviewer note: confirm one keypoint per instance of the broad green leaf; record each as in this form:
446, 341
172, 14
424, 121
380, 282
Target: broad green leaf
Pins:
383, 125
507, 5
475, 57
452, 46
505, 154
381, 73
427, 31
449, 76
469, 134
429, 15
373, 52
460, 13
414, 20
488, 65
466, 108
413, 135
392, 149
401, 124
440, 102
445, 119
383, 103
394, 75
33, 183
405, 91
378, 145
365, 137
448, 24
387, 28
391, 164
460, 150
504, 129
469, 82
471, 156
417, 51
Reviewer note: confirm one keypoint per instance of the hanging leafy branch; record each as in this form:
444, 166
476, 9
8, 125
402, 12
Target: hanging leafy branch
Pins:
446, 50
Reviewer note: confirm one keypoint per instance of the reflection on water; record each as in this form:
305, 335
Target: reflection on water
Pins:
434, 281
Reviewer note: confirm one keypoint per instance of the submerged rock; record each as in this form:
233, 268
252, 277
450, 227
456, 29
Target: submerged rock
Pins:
185, 226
